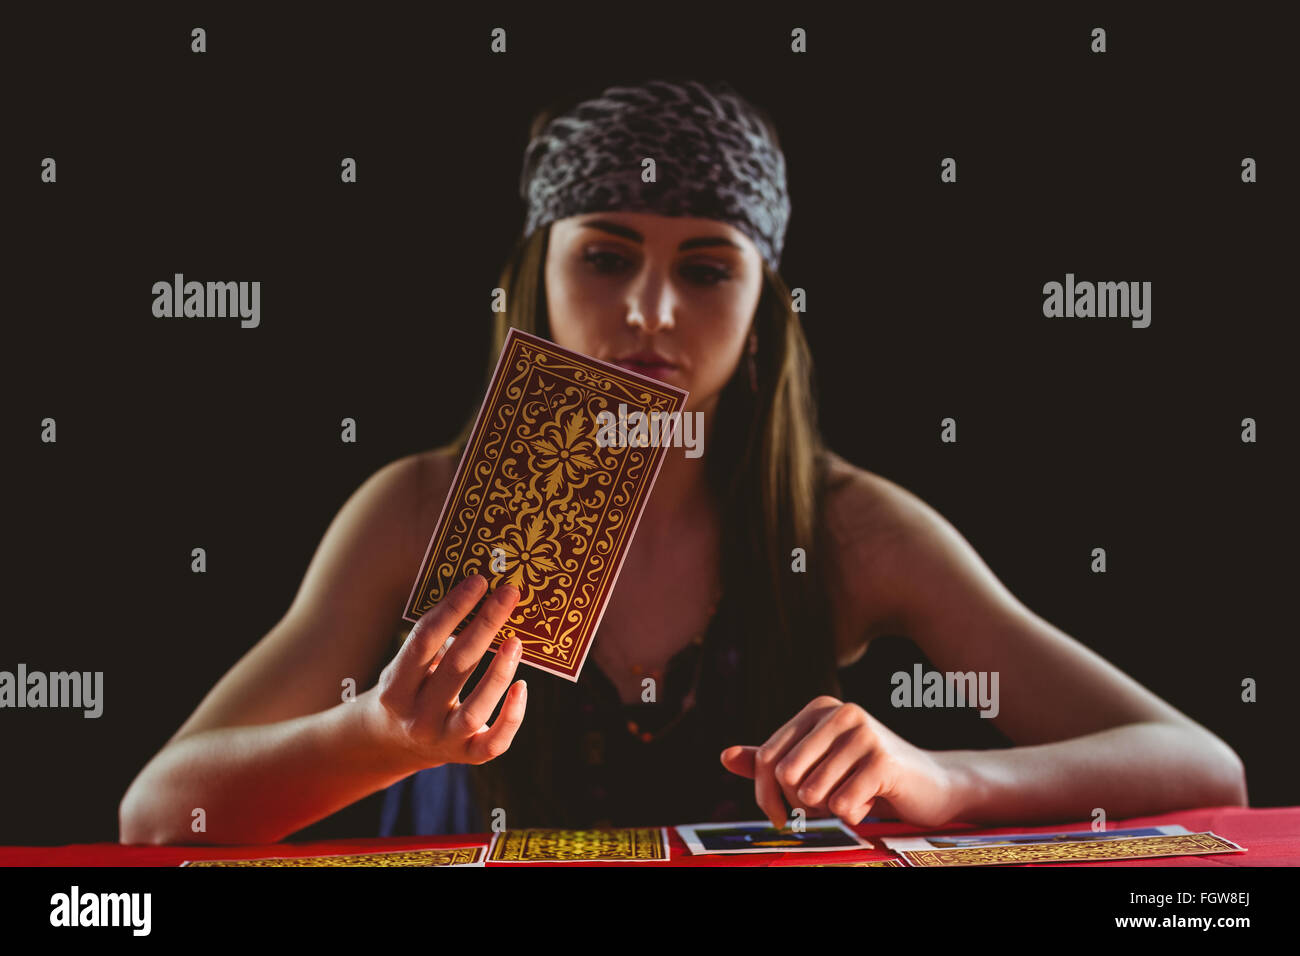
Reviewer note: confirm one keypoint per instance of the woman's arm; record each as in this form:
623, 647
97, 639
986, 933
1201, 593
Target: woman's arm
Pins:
280, 706
273, 747
1087, 735
259, 784
1129, 771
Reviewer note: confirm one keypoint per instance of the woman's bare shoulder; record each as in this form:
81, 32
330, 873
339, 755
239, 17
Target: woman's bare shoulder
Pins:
400, 495
436, 470
864, 509
865, 516
420, 483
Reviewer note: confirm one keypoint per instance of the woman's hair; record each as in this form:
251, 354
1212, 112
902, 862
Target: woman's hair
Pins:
766, 467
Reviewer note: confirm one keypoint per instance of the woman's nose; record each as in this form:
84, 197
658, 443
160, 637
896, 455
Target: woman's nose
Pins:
651, 308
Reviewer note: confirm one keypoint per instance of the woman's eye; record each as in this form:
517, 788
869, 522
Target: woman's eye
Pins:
706, 275
605, 262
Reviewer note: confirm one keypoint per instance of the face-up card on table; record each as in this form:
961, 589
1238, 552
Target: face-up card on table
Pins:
432, 856
549, 492
759, 836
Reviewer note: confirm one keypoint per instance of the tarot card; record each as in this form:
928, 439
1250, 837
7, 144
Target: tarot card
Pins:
549, 493
759, 836
629, 844
1128, 848
433, 856
955, 841
850, 863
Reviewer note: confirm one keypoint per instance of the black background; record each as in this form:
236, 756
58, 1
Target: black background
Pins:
924, 301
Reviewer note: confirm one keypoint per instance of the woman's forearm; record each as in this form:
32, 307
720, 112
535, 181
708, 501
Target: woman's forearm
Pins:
1134, 770
259, 784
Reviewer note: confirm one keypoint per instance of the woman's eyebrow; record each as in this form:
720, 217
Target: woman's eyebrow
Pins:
612, 227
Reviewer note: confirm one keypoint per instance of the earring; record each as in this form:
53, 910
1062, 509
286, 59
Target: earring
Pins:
753, 363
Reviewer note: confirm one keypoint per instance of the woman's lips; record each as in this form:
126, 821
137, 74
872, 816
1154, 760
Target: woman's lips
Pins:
653, 369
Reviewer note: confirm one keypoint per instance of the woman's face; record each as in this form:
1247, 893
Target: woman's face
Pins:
667, 296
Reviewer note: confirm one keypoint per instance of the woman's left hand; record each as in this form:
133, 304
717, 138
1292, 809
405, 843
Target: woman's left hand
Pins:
834, 758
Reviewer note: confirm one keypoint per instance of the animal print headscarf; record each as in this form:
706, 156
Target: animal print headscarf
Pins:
713, 159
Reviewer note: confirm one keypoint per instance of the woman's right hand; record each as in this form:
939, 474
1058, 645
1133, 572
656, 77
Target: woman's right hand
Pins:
416, 703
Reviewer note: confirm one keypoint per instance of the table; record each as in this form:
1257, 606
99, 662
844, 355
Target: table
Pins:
1271, 836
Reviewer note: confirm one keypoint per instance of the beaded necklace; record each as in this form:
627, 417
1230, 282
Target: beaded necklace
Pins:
688, 699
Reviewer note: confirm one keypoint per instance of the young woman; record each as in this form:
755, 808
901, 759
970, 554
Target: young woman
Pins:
677, 278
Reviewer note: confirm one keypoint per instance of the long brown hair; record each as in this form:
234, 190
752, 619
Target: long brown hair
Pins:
766, 466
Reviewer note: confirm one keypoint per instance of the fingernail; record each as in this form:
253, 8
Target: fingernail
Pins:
509, 592
516, 648
523, 688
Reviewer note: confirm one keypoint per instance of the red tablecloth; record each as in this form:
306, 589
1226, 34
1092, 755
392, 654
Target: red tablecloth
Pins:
1271, 837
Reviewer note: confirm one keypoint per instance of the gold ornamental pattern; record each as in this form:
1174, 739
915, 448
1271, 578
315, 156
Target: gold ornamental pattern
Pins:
453, 856
539, 504
1182, 844
852, 863
637, 844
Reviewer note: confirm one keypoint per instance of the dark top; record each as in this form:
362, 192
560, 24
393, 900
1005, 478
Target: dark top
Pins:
613, 777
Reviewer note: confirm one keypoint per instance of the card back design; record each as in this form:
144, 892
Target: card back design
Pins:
638, 844
452, 856
854, 863
1185, 844
544, 500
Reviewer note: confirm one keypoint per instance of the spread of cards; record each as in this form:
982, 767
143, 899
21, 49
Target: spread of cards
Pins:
652, 845
547, 496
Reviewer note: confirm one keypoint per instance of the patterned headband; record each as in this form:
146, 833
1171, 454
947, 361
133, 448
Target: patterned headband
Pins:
713, 159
